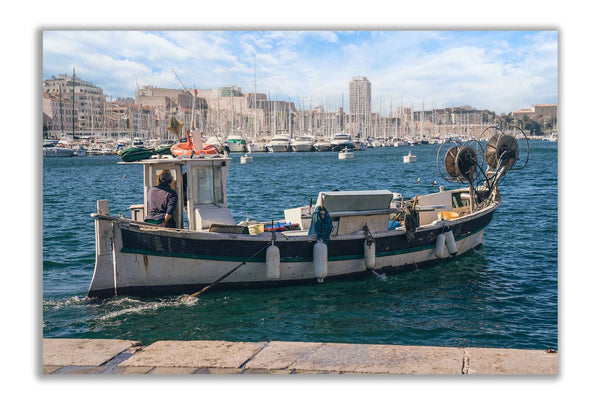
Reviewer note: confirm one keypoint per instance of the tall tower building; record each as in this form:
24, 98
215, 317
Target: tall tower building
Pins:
360, 101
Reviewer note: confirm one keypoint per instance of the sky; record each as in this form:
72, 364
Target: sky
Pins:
498, 70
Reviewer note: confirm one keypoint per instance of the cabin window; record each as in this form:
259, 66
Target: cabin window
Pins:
157, 173
208, 185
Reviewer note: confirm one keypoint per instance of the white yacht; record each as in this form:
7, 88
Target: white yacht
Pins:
217, 142
55, 150
236, 143
256, 146
302, 143
279, 143
340, 141
323, 145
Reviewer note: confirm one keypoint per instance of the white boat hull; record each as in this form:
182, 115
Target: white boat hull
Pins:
57, 152
278, 148
127, 264
302, 147
236, 147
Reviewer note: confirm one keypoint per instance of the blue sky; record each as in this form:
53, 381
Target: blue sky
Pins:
498, 70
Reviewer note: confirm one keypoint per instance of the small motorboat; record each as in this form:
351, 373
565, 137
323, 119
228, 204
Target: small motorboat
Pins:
345, 154
246, 159
410, 158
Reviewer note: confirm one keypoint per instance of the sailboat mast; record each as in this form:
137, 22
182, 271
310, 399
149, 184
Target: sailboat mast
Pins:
255, 121
73, 103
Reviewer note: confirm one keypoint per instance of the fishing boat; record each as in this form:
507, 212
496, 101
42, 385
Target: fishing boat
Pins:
346, 234
410, 158
345, 154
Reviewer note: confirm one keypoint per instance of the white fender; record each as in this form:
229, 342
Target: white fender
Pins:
320, 260
370, 256
450, 242
440, 245
273, 261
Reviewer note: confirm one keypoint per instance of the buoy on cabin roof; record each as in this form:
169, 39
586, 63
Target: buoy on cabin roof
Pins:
273, 262
370, 256
320, 260
440, 245
450, 242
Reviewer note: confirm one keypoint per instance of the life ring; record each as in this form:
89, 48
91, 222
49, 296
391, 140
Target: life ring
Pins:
187, 149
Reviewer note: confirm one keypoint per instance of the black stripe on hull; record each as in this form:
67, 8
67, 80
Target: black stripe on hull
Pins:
238, 249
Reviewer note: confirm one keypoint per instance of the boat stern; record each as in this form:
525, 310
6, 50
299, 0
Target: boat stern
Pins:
103, 282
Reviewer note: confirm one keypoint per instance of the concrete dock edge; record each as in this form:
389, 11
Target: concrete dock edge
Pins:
109, 356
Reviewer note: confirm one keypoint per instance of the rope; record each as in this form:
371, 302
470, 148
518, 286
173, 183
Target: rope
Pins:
208, 287
321, 224
411, 222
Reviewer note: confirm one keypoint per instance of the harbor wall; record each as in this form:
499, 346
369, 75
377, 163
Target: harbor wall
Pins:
111, 356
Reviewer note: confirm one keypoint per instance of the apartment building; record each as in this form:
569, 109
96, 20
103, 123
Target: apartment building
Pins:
360, 100
86, 99
541, 113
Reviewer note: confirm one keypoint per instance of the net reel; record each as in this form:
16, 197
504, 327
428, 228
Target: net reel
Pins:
502, 149
464, 162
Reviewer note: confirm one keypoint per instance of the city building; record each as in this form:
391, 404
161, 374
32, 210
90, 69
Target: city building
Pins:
360, 103
57, 117
86, 99
544, 114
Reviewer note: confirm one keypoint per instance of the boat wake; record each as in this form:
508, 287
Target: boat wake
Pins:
55, 304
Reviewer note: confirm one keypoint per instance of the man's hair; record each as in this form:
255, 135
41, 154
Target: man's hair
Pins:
165, 177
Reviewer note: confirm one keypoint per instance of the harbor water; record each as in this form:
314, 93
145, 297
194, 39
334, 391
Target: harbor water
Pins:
503, 294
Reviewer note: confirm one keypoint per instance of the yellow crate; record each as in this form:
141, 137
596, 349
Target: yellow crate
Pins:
447, 215
256, 228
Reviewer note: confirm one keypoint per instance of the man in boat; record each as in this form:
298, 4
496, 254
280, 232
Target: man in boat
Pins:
162, 202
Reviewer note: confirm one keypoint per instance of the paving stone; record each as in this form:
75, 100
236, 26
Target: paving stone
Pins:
219, 371
172, 371
129, 370
314, 372
48, 369
195, 354
383, 359
267, 372
492, 361
281, 355
82, 352
79, 370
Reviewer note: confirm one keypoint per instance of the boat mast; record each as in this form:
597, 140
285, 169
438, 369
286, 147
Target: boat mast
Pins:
255, 120
290, 116
73, 103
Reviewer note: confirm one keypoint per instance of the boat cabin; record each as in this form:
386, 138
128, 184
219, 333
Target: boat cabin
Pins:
201, 186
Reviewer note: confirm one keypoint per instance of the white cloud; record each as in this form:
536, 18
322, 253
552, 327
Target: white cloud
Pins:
501, 71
